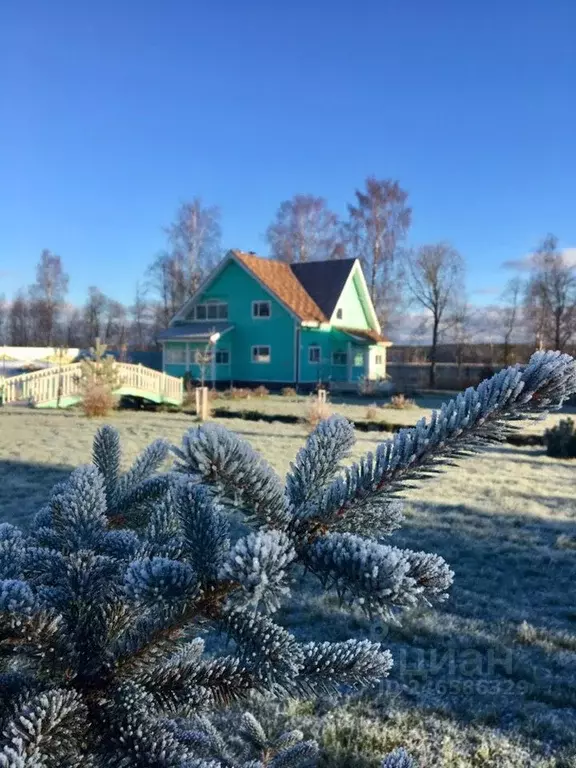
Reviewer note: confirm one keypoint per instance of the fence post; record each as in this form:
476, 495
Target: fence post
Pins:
202, 403
321, 395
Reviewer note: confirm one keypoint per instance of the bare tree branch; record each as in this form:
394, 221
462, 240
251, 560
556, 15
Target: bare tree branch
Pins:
305, 230
435, 279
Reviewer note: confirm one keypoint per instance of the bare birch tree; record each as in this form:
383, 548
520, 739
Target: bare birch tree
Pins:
377, 223
19, 320
510, 316
194, 237
194, 249
551, 296
304, 229
47, 296
435, 279
3, 320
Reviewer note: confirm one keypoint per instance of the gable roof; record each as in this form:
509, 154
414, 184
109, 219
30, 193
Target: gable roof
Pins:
310, 290
324, 281
279, 278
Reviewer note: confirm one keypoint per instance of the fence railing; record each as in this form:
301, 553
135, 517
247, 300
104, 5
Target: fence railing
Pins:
53, 385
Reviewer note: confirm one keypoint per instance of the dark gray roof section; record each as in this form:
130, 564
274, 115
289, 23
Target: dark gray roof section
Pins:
194, 331
324, 281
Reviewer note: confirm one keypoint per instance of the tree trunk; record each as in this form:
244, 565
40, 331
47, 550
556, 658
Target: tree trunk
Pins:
433, 352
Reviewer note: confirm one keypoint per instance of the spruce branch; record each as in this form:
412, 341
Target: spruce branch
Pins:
377, 577
473, 418
319, 460
235, 473
327, 666
204, 530
399, 758
106, 457
259, 564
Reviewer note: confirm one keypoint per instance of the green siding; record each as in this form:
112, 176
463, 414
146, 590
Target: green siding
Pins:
353, 313
329, 341
239, 289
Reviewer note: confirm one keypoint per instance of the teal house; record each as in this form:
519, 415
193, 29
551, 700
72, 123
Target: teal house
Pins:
259, 321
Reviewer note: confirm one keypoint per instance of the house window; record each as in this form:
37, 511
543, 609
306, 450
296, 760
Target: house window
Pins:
222, 357
261, 309
261, 354
378, 359
339, 358
210, 310
358, 359
313, 354
338, 314
175, 355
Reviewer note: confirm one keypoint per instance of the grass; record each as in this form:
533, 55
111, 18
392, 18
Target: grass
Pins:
486, 679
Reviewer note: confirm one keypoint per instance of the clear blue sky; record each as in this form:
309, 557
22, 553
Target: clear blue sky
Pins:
112, 112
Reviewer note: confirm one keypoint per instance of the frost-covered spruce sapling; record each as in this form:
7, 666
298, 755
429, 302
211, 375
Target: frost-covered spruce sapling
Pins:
100, 659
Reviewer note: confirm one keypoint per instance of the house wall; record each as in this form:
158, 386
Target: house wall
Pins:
353, 312
239, 289
331, 341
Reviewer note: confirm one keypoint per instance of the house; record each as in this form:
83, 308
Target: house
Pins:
255, 320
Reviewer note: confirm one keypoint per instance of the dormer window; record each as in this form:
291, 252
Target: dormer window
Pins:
339, 314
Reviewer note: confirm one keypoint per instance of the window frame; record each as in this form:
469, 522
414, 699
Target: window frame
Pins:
259, 303
378, 359
222, 352
168, 350
341, 354
217, 303
339, 313
261, 346
315, 347
355, 357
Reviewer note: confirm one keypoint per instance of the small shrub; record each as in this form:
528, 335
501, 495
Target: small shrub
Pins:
238, 393
372, 412
98, 400
289, 392
98, 380
260, 391
189, 400
317, 412
399, 402
561, 440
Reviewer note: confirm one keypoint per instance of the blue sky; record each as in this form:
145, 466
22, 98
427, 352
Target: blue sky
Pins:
111, 113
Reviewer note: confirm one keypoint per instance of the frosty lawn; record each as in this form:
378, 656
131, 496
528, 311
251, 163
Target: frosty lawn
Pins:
500, 652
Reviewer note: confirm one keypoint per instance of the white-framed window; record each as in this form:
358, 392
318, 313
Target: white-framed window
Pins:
339, 314
313, 353
222, 357
210, 310
261, 309
175, 355
378, 360
261, 354
339, 358
358, 359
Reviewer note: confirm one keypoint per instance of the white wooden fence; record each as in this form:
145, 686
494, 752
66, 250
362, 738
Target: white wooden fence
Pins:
52, 386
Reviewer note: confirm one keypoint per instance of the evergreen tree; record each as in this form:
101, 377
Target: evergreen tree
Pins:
101, 602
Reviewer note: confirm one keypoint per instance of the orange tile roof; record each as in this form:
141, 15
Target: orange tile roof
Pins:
279, 278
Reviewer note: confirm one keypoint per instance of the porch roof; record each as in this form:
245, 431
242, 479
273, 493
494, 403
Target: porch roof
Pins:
195, 331
364, 336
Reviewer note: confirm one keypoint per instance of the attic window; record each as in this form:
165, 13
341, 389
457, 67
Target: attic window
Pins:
261, 309
338, 314
210, 310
